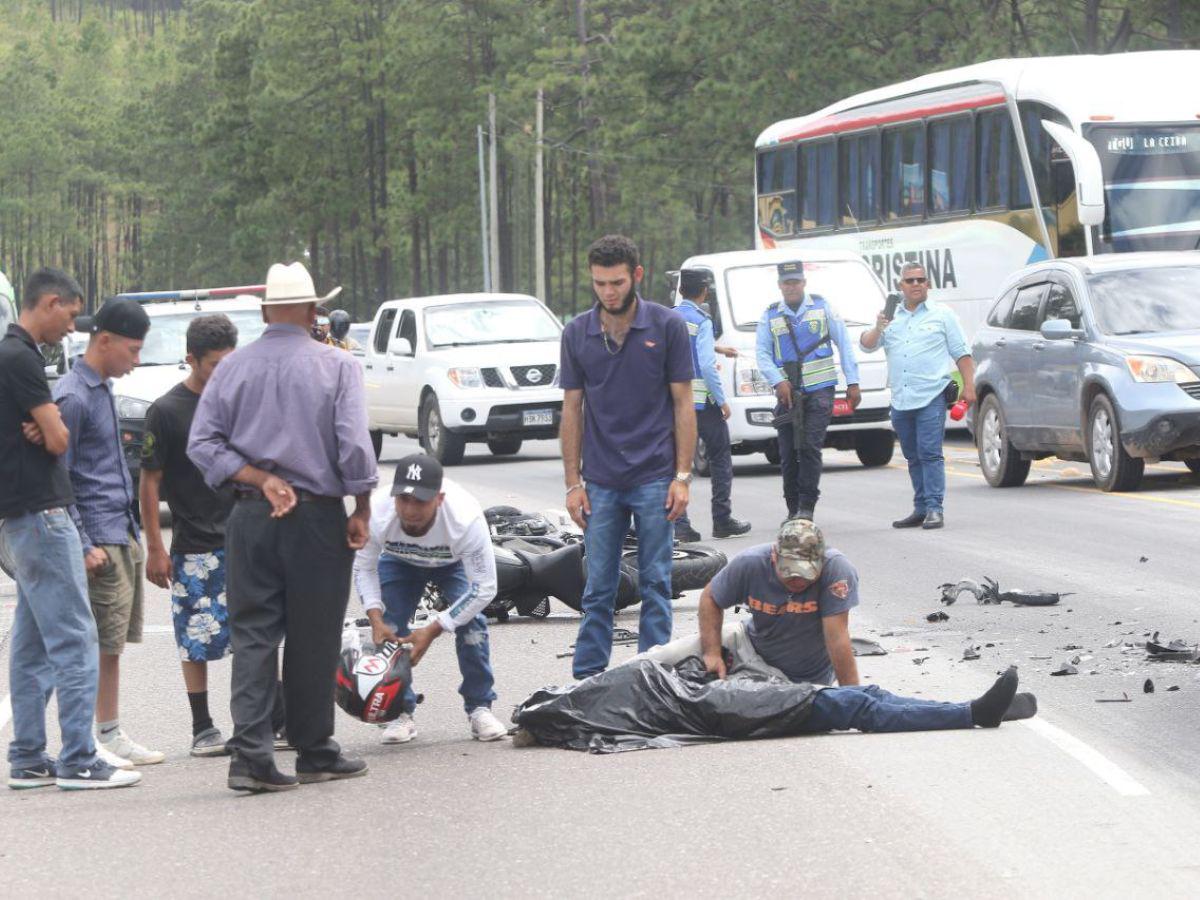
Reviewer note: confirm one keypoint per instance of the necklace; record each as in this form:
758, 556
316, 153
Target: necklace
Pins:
607, 345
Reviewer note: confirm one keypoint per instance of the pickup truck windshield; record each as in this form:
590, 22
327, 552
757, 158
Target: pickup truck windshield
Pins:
1147, 301
166, 341
848, 286
489, 322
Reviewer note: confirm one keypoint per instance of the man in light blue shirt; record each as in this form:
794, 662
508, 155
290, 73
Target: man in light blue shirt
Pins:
708, 396
795, 354
919, 342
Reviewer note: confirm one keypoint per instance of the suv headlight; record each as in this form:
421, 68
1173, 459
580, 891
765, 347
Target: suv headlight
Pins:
1159, 370
130, 408
465, 378
749, 381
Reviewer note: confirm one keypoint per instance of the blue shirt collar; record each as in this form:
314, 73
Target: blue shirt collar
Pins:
89, 375
805, 301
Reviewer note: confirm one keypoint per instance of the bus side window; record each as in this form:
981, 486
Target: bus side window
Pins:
858, 176
904, 172
777, 190
995, 154
950, 165
820, 185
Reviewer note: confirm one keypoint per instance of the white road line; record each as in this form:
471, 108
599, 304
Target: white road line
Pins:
5, 711
1100, 765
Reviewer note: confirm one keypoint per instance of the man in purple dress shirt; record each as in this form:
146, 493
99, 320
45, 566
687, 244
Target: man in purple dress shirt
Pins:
285, 419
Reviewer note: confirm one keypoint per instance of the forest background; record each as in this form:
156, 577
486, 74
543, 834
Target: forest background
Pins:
156, 144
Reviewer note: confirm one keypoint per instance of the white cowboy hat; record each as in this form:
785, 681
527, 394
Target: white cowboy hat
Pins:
292, 284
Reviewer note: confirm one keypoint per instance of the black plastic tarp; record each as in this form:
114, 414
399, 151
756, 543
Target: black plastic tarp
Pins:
644, 705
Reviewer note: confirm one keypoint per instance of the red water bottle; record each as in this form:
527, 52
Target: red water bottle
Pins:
958, 410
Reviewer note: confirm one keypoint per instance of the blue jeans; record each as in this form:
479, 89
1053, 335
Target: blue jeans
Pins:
920, 432
403, 584
871, 708
53, 645
606, 529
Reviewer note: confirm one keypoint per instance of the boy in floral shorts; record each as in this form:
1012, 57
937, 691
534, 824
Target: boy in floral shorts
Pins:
195, 568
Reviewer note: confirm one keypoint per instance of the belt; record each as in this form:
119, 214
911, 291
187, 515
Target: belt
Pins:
301, 496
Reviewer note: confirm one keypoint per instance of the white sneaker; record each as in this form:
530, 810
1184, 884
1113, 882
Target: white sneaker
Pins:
117, 762
485, 726
124, 746
400, 731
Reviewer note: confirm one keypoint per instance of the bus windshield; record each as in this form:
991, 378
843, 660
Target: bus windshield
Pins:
166, 341
1151, 186
489, 322
848, 286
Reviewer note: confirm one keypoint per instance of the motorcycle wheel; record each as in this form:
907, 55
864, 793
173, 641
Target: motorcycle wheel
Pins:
693, 566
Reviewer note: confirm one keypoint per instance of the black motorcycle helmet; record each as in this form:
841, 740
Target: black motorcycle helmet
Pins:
339, 324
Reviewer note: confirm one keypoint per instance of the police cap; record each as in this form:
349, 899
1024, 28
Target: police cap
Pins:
792, 270
692, 282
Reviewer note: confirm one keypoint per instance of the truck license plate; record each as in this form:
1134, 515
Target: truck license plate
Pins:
534, 417
841, 407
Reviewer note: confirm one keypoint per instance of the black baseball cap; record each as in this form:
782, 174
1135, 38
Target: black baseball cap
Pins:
793, 270
418, 476
125, 318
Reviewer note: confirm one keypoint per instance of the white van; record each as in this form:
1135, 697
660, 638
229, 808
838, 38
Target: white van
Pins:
742, 284
464, 368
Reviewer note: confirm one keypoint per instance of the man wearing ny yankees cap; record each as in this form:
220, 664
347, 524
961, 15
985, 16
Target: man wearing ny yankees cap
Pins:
431, 531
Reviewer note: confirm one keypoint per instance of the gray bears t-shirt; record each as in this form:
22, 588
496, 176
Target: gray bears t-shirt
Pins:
785, 628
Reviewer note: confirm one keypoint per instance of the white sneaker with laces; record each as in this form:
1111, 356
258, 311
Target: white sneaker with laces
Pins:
485, 726
117, 762
400, 731
124, 746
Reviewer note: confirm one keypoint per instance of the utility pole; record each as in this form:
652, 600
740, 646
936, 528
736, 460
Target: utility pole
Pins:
539, 203
483, 213
494, 211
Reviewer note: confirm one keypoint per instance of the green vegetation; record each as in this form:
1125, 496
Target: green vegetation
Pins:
176, 143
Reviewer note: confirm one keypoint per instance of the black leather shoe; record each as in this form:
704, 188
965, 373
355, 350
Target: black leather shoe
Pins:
730, 527
912, 520
258, 779
933, 519
342, 767
686, 534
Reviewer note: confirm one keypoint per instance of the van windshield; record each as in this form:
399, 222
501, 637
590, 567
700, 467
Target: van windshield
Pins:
848, 286
489, 322
1147, 301
166, 341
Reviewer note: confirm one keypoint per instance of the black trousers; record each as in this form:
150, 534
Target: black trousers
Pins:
290, 578
713, 430
802, 468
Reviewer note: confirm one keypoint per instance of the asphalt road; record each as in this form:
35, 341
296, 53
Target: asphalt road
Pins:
1088, 799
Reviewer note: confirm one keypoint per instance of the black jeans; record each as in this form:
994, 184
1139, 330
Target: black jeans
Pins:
290, 578
802, 470
711, 427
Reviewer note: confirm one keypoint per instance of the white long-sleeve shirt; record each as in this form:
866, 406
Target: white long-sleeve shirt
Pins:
459, 534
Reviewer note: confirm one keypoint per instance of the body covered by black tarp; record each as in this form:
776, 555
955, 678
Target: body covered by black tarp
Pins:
645, 704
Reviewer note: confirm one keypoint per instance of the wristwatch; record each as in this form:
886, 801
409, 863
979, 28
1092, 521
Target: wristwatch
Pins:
683, 477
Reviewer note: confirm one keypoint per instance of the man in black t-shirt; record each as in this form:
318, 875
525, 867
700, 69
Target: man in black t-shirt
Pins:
53, 646
195, 568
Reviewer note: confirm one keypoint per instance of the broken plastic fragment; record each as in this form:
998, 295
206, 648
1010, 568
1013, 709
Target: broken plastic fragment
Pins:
1124, 698
1173, 687
1065, 669
971, 652
939, 616
866, 647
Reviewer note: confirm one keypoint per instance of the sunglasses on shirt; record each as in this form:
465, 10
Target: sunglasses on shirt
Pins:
915, 280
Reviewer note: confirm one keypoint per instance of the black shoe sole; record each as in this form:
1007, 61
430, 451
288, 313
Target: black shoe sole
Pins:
729, 534
927, 527
252, 785
318, 777
918, 524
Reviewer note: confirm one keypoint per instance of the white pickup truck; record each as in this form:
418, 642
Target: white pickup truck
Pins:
462, 368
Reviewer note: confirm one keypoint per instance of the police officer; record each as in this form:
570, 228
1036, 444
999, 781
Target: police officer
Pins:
711, 409
795, 355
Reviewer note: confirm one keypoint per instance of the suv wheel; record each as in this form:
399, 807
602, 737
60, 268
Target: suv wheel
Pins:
700, 460
1112, 468
505, 446
442, 445
875, 448
772, 452
1000, 460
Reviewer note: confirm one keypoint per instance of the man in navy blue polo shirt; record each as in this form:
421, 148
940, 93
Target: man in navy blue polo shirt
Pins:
629, 429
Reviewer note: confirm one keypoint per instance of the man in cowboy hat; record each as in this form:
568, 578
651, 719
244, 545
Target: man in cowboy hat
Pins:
289, 544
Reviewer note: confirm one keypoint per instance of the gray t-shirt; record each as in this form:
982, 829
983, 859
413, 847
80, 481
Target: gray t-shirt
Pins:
785, 628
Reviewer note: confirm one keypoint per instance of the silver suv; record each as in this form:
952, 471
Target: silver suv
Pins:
1096, 359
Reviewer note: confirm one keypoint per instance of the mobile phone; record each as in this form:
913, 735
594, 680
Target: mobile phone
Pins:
889, 311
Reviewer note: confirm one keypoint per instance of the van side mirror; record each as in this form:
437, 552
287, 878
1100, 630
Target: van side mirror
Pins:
399, 346
1060, 330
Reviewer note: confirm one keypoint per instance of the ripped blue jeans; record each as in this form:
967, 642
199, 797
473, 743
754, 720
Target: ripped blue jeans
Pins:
403, 584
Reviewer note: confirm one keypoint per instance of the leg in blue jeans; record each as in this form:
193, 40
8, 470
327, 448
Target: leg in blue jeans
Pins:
470, 642
871, 708
930, 432
904, 423
656, 536
53, 642
402, 586
606, 528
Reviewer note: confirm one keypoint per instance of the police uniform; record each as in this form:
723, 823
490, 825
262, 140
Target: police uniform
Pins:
796, 344
708, 398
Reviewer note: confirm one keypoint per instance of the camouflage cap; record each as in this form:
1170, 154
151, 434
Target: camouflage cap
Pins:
800, 550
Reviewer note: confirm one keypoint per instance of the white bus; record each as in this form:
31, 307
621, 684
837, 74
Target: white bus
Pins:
976, 172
